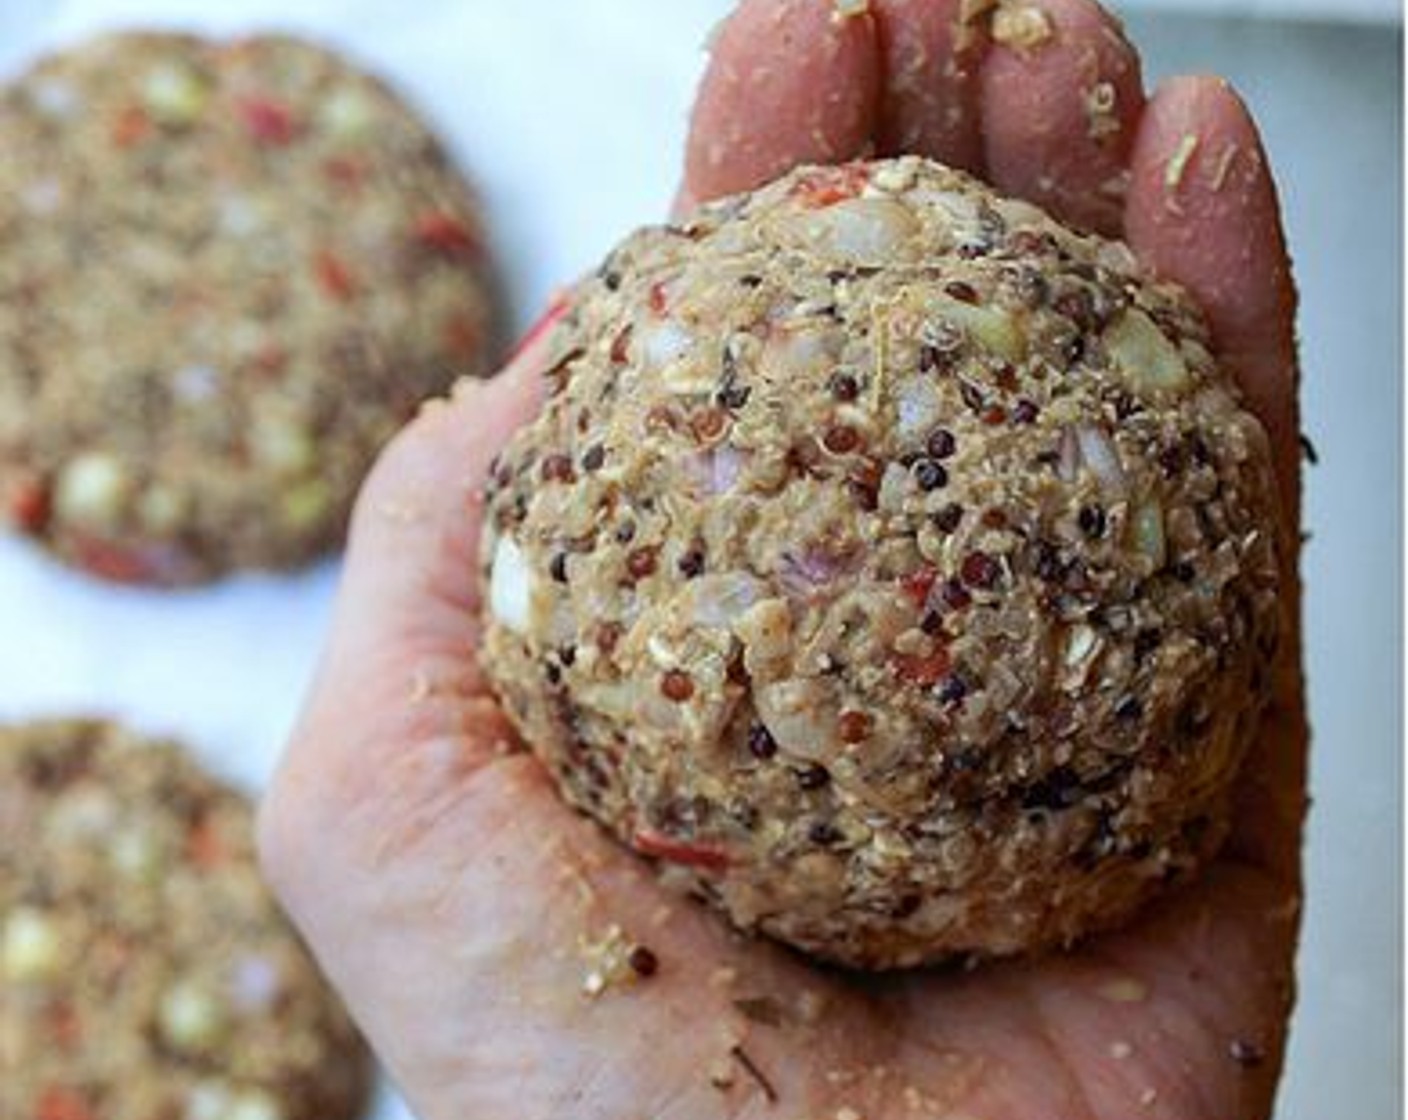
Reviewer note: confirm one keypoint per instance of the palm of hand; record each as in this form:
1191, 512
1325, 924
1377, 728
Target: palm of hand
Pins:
462, 908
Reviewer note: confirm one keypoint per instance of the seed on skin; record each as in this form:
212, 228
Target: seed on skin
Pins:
1184, 572
643, 962
641, 562
557, 468
1171, 460
1092, 521
941, 443
844, 387
1026, 412
841, 439
930, 475
961, 291
994, 518
813, 777
971, 394
979, 570
948, 518
625, 532
557, 567
593, 458
677, 685
853, 726
761, 743
1006, 378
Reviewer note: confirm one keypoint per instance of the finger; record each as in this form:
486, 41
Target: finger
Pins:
1202, 210
789, 82
1061, 97
930, 51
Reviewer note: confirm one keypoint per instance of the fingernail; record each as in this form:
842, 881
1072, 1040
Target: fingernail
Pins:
556, 307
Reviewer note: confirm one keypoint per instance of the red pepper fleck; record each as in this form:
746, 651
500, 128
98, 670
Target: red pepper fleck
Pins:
132, 126
204, 848
28, 505
445, 233
620, 346
345, 171
924, 671
267, 120
557, 468
853, 726
828, 186
659, 304
110, 560
676, 685
58, 1103
65, 1027
918, 583
334, 277
994, 414
706, 857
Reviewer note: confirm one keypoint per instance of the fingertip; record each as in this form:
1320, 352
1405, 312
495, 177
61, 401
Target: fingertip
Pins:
1203, 211
1061, 97
812, 65
930, 51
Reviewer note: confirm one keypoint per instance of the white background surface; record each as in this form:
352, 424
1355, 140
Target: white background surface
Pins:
571, 117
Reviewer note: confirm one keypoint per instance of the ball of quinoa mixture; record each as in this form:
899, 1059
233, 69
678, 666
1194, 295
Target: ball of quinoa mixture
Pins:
893, 562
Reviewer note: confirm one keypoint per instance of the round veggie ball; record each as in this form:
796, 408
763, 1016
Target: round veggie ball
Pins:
893, 560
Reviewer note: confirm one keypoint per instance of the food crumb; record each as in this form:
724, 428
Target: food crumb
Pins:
1120, 1050
614, 960
1148, 1097
842, 10
1101, 119
1021, 26
845, 1112
1223, 166
1124, 989
1178, 162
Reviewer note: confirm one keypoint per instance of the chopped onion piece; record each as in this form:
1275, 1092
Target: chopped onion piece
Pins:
858, 230
663, 342
510, 586
1101, 457
991, 327
719, 600
1148, 527
1143, 354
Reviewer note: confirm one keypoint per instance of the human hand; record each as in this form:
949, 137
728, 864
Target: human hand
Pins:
450, 893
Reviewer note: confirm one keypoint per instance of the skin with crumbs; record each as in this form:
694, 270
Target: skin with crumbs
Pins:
892, 562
